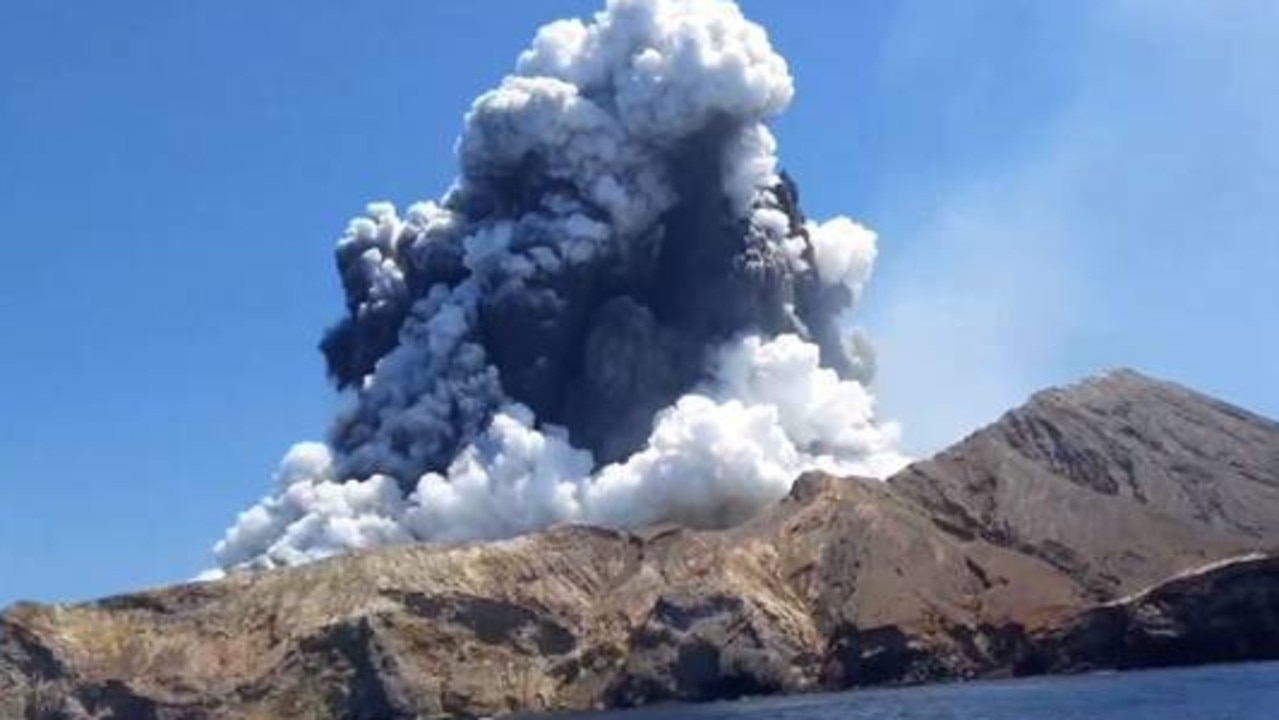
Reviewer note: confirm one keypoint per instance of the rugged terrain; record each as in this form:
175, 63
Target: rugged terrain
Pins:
1121, 522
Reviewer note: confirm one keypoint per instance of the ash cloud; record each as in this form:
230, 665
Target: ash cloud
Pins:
617, 314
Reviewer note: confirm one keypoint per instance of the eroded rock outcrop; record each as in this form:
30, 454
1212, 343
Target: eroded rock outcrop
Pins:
1224, 612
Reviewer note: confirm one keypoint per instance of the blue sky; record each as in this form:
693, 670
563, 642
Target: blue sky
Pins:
1059, 188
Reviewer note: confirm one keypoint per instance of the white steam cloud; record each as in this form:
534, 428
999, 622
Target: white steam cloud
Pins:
616, 315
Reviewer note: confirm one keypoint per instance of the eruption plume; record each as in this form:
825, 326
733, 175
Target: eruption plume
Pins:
617, 314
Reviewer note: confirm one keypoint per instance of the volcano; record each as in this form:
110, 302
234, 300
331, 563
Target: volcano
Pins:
1120, 522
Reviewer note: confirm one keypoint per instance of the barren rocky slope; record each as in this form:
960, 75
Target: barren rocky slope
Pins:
1119, 481
991, 558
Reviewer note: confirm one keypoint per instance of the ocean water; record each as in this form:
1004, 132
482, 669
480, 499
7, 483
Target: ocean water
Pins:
1232, 692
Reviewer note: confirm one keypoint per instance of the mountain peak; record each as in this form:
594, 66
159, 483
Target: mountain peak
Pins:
1109, 387
1135, 475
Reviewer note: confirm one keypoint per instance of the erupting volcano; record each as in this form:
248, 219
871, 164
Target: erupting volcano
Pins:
617, 314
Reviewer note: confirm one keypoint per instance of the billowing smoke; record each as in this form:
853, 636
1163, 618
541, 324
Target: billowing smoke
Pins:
617, 314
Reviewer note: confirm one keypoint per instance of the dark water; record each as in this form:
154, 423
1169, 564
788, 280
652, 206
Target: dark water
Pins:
1237, 692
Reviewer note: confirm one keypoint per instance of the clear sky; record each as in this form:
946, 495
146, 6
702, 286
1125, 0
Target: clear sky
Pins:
1058, 187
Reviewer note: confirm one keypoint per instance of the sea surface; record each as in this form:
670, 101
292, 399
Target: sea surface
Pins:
1230, 692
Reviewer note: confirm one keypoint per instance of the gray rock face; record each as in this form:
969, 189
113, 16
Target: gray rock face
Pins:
1006, 554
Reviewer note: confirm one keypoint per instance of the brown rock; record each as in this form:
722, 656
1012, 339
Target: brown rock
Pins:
985, 560
1119, 481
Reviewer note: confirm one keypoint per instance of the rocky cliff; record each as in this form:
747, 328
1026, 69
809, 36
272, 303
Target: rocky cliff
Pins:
1224, 612
1031, 546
